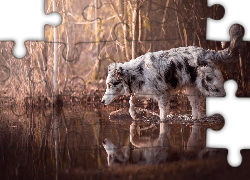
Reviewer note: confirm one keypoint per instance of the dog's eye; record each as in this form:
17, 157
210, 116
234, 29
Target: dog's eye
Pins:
116, 83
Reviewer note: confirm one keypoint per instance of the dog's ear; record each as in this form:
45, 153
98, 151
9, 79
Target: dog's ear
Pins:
116, 68
111, 67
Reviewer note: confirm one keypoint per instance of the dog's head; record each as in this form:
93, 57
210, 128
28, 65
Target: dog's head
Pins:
115, 83
115, 155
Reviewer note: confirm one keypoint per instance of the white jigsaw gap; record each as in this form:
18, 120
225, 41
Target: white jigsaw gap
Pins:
236, 11
27, 19
235, 134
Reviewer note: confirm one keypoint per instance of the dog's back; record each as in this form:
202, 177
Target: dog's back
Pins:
181, 67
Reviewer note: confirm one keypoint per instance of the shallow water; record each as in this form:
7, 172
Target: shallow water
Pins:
47, 143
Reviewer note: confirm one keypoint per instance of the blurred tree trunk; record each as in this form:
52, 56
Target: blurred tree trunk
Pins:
98, 62
67, 45
163, 21
28, 64
125, 29
40, 61
146, 31
194, 23
135, 30
55, 85
178, 25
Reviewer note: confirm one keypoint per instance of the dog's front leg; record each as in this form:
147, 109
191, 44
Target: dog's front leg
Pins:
164, 107
132, 107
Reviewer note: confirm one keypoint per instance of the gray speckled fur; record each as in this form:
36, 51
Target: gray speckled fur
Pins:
160, 74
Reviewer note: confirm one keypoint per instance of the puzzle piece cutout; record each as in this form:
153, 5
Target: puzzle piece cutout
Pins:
22, 21
236, 120
218, 29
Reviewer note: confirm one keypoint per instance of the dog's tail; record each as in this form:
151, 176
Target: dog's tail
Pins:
236, 47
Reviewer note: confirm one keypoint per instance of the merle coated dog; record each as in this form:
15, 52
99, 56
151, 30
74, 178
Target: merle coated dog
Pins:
160, 74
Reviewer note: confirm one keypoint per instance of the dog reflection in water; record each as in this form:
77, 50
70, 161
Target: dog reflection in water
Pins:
143, 153
160, 150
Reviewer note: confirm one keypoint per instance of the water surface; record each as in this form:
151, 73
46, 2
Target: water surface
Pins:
52, 144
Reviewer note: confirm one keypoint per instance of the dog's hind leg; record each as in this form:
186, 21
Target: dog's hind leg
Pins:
195, 99
164, 107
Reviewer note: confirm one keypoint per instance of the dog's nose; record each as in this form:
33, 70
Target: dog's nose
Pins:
104, 142
103, 101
